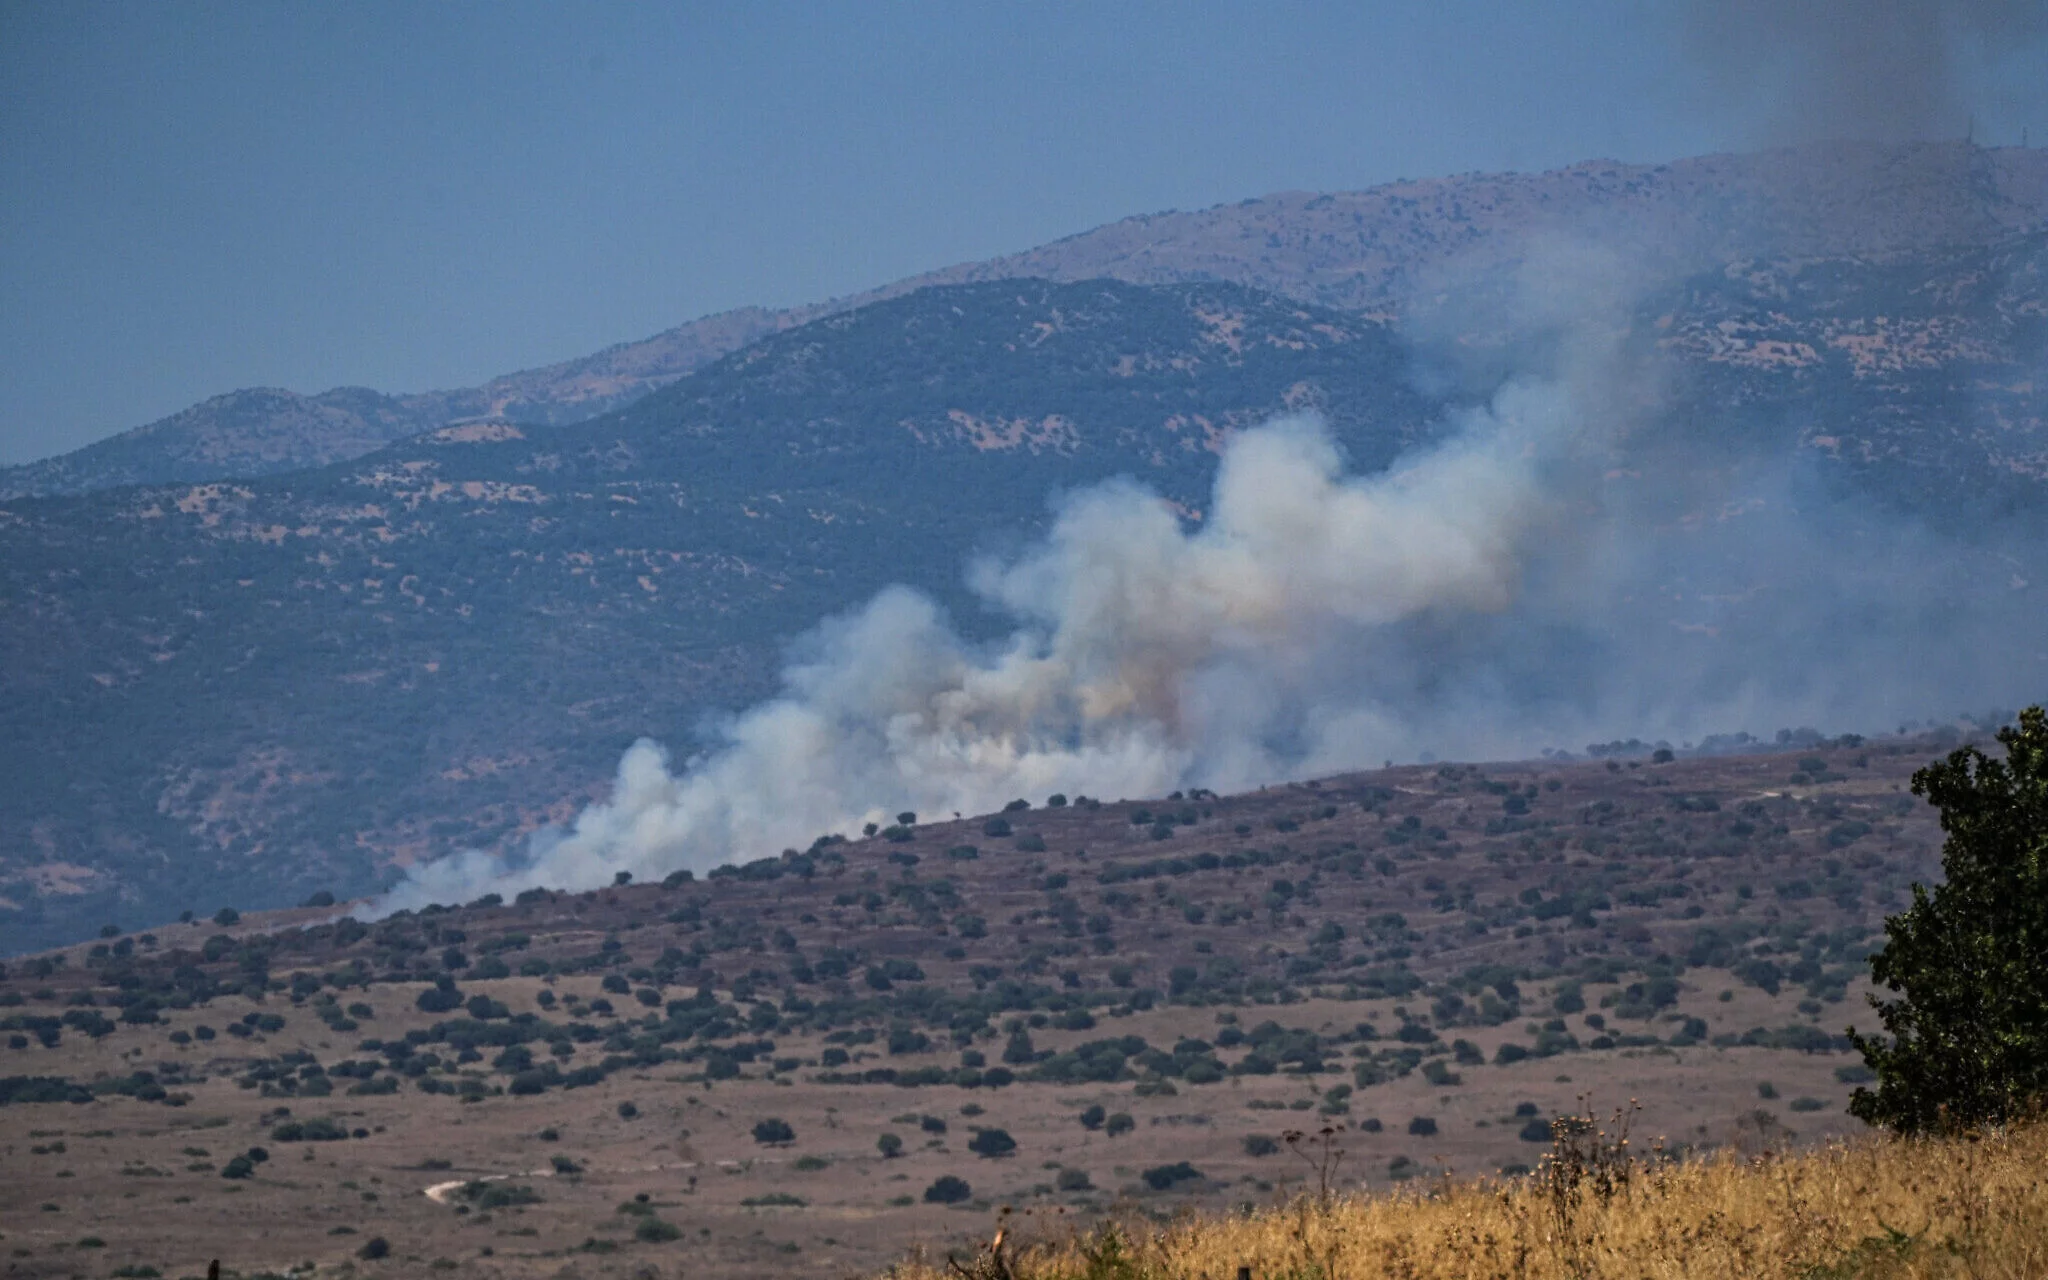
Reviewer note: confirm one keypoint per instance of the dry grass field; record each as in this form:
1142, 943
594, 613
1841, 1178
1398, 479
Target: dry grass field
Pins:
1873, 1209
1433, 961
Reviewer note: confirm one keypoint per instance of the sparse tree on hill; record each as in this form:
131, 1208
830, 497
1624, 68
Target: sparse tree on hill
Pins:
1967, 1040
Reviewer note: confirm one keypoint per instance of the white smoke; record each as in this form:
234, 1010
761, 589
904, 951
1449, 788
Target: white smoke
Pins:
1569, 562
1152, 652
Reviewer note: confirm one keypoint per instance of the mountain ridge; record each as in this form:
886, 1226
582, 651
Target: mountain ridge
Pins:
1385, 249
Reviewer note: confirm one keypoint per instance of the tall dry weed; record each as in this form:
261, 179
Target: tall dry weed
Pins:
1872, 1209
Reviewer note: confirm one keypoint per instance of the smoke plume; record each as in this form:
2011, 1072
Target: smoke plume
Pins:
1561, 565
1882, 70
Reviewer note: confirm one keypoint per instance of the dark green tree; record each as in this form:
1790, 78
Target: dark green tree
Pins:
1967, 1035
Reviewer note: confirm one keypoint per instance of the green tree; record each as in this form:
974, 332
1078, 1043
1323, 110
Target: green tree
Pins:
1967, 1037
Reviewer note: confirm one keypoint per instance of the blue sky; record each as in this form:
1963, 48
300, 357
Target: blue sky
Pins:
195, 198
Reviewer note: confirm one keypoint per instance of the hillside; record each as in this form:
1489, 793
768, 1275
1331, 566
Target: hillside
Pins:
244, 692
305, 680
1393, 250
1138, 998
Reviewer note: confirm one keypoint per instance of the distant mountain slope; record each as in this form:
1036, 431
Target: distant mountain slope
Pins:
244, 691
249, 689
267, 430
1386, 249
243, 433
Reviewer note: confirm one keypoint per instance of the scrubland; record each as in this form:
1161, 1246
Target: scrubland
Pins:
1086, 1011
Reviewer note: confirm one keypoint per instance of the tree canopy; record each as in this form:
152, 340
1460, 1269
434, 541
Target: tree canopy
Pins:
1967, 1034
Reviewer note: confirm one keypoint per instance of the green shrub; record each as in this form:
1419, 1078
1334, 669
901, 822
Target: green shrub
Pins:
652, 1230
948, 1190
321, 1130
1164, 1177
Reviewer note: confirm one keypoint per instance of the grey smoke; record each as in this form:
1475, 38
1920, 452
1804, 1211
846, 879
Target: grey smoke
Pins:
1567, 562
1883, 70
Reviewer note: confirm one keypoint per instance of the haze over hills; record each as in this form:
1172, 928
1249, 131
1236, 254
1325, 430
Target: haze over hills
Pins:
1390, 249
1811, 498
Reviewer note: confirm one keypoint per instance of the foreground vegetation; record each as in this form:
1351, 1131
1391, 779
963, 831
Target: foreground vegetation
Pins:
1974, 1205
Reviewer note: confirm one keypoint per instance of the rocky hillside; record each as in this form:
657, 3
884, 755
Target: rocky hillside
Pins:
306, 679
245, 691
1387, 250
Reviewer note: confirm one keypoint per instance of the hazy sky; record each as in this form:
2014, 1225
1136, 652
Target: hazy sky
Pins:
195, 198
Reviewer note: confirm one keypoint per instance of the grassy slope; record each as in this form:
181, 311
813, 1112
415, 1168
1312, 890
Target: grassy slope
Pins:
1867, 1208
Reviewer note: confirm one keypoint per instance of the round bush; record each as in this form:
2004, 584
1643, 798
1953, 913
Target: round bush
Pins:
773, 1132
948, 1190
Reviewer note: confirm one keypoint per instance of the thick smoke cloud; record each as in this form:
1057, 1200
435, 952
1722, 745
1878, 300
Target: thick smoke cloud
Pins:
1560, 566
1147, 656
1886, 70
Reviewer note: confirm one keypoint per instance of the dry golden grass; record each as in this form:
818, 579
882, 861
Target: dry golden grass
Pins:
1879, 1208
